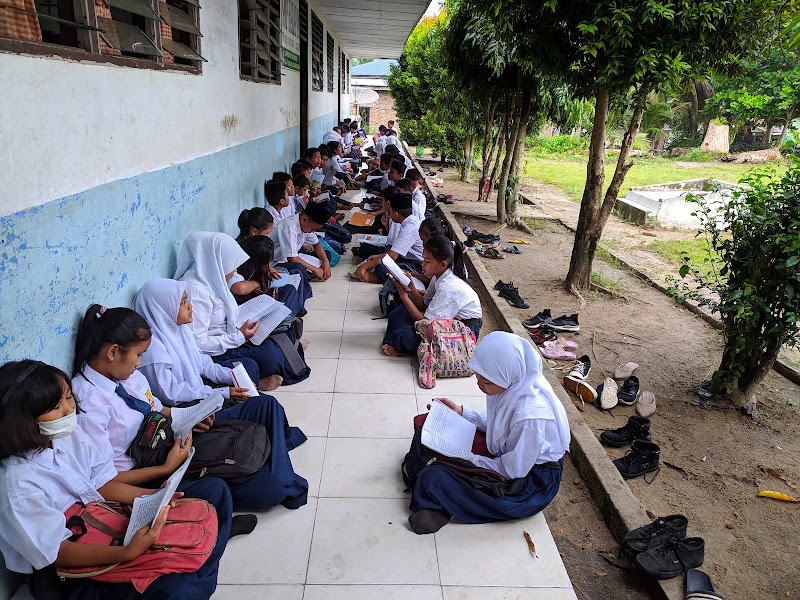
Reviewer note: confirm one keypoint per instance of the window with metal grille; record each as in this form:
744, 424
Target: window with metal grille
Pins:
330, 58
260, 40
162, 32
346, 75
317, 75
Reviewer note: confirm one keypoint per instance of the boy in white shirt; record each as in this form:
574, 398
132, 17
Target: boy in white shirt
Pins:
277, 197
418, 195
296, 231
406, 248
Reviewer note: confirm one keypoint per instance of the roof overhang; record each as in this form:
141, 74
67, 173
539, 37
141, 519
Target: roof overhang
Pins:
374, 28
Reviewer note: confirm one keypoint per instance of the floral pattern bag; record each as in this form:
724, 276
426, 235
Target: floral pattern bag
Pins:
445, 349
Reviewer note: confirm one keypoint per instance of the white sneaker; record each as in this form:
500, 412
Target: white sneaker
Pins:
608, 397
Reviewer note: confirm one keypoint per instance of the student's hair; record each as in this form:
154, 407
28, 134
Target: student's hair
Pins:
274, 191
332, 146
405, 212
310, 152
300, 167
347, 120
413, 175
101, 326
441, 248
388, 193
404, 184
281, 176
433, 226
398, 166
386, 159
253, 217
391, 149
28, 389
323, 150
260, 249
300, 181
354, 125
382, 128
391, 132
337, 129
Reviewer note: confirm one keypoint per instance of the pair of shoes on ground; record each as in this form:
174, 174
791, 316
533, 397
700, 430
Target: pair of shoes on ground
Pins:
575, 381
562, 323
489, 252
559, 349
662, 550
445, 199
512, 250
610, 394
481, 238
511, 294
543, 334
644, 455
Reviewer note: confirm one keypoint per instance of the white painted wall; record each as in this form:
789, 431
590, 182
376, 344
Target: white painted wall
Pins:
68, 126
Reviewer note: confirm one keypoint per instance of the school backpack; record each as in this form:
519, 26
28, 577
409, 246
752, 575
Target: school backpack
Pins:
333, 256
232, 450
338, 233
338, 247
388, 297
185, 542
445, 349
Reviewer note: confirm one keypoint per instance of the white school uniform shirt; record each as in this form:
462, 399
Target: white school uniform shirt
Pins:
394, 228
209, 321
289, 238
449, 297
165, 385
419, 204
347, 141
299, 202
108, 421
390, 139
280, 215
380, 145
329, 171
36, 489
407, 244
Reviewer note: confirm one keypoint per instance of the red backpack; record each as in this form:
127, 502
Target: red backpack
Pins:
183, 546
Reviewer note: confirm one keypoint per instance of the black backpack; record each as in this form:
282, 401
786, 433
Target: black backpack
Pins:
388, 297
338, 233
232, 450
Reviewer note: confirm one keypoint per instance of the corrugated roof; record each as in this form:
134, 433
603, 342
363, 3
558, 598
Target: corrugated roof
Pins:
375, 68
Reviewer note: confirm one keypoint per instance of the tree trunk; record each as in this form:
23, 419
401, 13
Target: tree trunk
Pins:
511, 144
518, 156
586, 237
767, 141
469, 154
497, 151
757, 367
486, 150
786, 124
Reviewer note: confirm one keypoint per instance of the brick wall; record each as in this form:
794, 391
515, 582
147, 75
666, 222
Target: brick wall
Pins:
381, 111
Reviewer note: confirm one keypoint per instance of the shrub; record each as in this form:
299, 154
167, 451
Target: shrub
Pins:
558, 144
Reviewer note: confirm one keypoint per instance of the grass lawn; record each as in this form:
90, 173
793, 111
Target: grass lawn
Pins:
697, 248
569, 172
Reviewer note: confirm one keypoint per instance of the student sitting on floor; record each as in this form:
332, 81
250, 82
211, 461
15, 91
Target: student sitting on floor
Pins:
327, 158
418, 195
388, 228
254, 221
406, 248
396, 172
115, 397
398, 155
334, 135
301, 195
379, 144
407, 186
294, 232
301, 167
255, 276
428, 229
527, 434
208, 261
285, 179
277, 198
314, 158
48, 464
447, 297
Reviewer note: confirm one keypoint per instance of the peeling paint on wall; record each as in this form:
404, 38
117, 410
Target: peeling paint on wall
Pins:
229, 123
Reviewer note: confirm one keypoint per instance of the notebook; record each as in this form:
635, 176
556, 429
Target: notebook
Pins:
447, 432
360, 219
267, 311
375, 240
397, 274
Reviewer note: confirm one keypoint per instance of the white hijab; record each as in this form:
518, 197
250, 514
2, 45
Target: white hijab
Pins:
158, 302
206, 258
509, 361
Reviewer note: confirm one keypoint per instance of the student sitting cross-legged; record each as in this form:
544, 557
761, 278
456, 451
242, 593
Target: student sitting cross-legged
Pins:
47, 465
277, 197
448, 296
115, 397
527, 434
406, 248
208, 261
296, 231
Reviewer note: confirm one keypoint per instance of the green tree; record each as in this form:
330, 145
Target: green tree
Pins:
766, 91
756, 233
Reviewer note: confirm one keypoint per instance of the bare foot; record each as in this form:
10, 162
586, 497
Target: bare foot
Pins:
268, 384
389, 351
304, 342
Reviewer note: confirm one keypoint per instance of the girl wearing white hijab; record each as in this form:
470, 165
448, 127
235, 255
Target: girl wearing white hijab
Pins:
526, 432
207, 261
174, 367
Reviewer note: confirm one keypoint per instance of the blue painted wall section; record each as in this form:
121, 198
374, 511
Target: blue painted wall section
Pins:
101, 245
317, 128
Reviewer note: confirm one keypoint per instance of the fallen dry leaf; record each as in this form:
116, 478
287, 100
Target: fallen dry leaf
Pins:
776, 496
601, 573
703, 459
774, 472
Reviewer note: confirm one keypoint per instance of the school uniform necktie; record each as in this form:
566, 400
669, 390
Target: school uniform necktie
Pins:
133, 402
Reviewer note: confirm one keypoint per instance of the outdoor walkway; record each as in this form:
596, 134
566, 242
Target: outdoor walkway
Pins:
352, 540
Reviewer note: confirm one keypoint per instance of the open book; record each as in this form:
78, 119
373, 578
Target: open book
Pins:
397, 274
374, 177
374, 239
242, 380
183, 419
447, 432
314, 261
146, 508
267, 311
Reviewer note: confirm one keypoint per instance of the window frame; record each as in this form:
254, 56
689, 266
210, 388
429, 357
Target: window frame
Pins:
330, 58
317, 34
271, 46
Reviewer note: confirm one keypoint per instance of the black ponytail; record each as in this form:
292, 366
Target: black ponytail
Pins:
259, 248
433, 226
254, 217
101, 326
442, 248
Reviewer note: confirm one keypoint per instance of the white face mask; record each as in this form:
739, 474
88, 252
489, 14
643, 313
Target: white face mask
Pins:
60, 427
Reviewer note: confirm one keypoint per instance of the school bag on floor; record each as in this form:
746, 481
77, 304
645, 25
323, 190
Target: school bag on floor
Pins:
445, 349
186, 541
388, 297
338, 233
333, 256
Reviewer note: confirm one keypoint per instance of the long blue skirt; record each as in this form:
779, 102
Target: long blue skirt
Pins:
276, 482
401, 335
199, 585
305, 287
270, 360
293, 299
437, 488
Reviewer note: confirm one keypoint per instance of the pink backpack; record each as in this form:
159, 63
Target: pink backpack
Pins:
183, 546
446, 347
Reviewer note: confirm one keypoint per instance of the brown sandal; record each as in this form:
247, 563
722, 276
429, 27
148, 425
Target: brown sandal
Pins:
491, 253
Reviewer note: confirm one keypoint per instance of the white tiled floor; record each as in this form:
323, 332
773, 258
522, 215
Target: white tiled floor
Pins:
352, 540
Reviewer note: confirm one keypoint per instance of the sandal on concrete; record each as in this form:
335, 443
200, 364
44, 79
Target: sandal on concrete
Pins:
512, 250
625, 371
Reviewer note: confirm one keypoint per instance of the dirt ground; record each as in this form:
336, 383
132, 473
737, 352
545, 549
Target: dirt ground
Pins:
717, 458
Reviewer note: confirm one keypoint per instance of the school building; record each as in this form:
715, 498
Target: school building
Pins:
374, 76
127, 124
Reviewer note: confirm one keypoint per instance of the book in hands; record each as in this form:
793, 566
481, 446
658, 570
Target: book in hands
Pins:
397, 274
242, 380
184, 419
447, 432
268, 312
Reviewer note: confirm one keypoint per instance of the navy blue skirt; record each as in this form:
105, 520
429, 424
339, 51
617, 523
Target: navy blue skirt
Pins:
269, 358
437, 488
401, 335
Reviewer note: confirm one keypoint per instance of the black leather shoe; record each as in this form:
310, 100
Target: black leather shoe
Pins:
654, 534
643, 457
637, 428
672, 558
